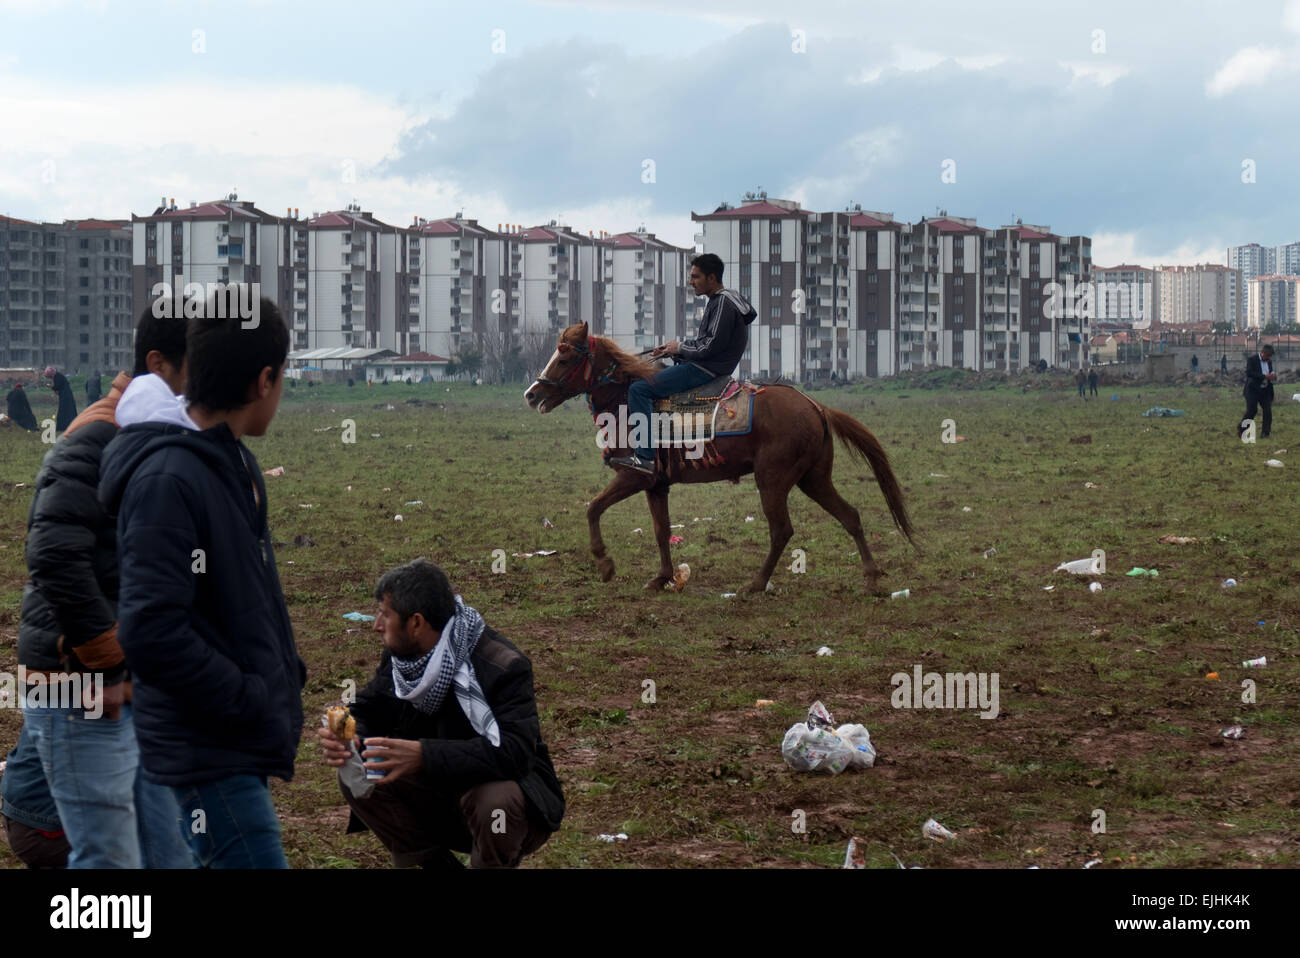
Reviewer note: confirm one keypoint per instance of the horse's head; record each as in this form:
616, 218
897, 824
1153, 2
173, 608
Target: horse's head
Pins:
568, 373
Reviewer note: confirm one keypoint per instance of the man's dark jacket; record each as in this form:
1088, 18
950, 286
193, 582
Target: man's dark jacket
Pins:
1256, 384
201, 617
723, 334
456, 758
72, 555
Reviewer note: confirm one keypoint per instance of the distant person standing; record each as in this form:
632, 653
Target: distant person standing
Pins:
94, 388
67, 403
19, 409
1195, 364
1081, 381
1260, 376
1223, 365
1092, 383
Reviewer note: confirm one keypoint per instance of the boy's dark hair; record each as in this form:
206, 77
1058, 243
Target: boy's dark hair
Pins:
1266, 348
710, 264
164, 334
418, 586
225, 359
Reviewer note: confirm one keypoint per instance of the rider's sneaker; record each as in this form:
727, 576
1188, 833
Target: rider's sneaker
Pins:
645, 466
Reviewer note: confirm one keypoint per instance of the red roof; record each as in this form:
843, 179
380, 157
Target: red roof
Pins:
102, 224
16, 222
210, 211
343, 219
863, 221
761, 208
945, 225
421, 358
536, 233
1121, 266
450, 225
1025, 233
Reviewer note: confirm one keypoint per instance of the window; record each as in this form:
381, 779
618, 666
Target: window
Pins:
84, 244
744, 249
775, 269
108, 264
774, 291
959, 300
85, 357
872, 277
85, 320
85, 339
83, 301
774, 250
776, 332
83, 281
957, 319
84, 262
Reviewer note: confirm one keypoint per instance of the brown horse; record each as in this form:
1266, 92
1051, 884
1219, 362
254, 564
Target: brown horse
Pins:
790, 444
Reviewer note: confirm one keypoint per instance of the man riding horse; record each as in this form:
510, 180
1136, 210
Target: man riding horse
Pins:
724, 334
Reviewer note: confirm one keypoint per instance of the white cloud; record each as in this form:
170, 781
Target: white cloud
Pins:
1249, 66
1112, 249
1291, 16
914, 60
858, 157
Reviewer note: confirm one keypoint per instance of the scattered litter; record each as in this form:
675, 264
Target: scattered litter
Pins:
680, 578
1139, 571
1235, 732
1275, 463
1091, 485
933, 830
1147, 651
325, 428
855, 856
728, 595
678, 525
1092, 864
1088, 566
302, 539
414, 502
1295, 397
705, 519
2, 767
1258, 663
19, 485
620, 837
958, 438
1229, 583
375, 435
1279, 452
901, 594
764, 703
1160, 412
1212, 676
937, 475
636, 531
350, 631
305, 505
673, 540
825, 650
965, 508
529, 555
397, 518
349, 488
358, 617
547, 524
1094, 586
749, 518
990, 553
816, 745
1172, 540
277, 471
1048, 588
1114, 397
386, 489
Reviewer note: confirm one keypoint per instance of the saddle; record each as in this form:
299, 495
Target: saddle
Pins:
721, 407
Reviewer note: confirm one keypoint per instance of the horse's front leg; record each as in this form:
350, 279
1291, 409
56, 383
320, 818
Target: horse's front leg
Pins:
658, 499
625, 483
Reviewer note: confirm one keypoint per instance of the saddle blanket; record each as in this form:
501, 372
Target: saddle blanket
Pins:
722, 407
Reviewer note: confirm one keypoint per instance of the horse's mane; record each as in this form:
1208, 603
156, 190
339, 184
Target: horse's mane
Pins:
634, 366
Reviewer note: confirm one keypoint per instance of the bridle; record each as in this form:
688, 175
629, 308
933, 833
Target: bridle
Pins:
591, 381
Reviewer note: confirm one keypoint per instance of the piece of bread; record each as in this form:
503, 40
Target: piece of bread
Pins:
341, 723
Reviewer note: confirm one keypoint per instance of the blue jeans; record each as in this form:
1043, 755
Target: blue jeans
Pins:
643, 393
232, 823
112, 816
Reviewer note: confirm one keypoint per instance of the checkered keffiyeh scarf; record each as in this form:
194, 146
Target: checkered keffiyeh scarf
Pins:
424, 682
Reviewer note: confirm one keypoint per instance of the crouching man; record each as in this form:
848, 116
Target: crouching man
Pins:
451, 721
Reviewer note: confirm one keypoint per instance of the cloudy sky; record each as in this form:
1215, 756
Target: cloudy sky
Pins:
1134, 122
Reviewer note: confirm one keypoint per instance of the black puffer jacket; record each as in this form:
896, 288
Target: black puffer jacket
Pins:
201, 616
72, 554
455, 756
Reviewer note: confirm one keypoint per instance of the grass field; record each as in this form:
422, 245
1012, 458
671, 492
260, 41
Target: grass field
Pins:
1104, 702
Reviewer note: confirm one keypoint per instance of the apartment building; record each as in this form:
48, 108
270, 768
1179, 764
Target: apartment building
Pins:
641, 286
1203, 293
100, 324
33, 323
1271, 300
1125, 293
1286, 260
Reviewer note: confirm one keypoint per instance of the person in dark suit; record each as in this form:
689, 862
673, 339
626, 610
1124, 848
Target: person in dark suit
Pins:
19, 409
1260, 376
67, 403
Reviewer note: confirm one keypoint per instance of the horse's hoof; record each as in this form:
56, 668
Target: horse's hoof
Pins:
754, 588
657, 583
606, 568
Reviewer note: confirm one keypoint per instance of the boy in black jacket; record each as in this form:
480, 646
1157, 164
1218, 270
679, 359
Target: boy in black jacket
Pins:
201, 616
453, 725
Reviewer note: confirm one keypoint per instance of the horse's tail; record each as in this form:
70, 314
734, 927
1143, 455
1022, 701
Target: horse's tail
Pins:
862, 444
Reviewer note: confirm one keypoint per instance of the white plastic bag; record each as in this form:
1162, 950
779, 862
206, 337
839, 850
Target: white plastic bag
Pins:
859, 739
817, 746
